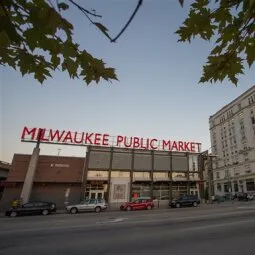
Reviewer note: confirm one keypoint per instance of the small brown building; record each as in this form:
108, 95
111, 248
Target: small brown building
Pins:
54, 176
4, 170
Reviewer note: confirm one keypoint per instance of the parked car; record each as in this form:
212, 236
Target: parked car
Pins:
218, 199
32, 208
141, 203
185, 200
96, 205
234, 196
245, 196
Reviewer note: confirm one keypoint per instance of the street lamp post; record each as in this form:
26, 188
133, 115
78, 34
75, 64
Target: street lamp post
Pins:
210, 172
207, 158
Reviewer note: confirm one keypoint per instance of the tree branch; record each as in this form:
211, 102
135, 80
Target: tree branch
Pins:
85, 11
129, 21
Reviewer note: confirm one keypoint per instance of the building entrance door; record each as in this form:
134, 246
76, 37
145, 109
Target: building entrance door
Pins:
96, 194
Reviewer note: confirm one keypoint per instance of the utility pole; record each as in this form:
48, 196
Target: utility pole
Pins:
207, 159
201, 161
210, 169
210, 176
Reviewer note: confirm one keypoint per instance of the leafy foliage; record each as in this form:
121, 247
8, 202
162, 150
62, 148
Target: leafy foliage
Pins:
232, 24
37, 40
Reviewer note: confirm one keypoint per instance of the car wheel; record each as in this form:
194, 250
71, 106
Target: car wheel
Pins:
178, 205
195, 204
98, 209
129, 208
149, 207
14, 214
73, 210
45, 212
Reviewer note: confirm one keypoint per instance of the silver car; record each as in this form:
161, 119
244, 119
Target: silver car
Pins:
96, 205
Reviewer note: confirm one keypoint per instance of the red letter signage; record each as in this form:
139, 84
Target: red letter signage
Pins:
99, 139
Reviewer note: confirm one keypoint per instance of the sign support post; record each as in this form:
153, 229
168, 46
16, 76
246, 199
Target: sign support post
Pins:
29, 179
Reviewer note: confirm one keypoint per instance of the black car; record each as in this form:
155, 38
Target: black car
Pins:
245, 197
185, 200
32, 208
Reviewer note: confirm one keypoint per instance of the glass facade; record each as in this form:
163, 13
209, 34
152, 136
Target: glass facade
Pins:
161, 175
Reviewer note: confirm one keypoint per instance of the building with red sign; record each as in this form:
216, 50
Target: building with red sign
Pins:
67, 137
116, 174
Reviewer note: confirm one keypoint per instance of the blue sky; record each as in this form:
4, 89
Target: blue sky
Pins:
157, 96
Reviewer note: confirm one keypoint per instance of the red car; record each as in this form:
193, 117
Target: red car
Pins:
141, 203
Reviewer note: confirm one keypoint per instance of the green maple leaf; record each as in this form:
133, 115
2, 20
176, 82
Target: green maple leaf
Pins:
103, 29
63, 6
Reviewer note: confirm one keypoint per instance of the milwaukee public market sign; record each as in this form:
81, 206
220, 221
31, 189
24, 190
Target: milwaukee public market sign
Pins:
67, 137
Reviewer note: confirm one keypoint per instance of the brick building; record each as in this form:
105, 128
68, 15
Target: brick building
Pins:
4, 170
53, 176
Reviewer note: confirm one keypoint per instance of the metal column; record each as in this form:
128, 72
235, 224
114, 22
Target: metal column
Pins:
151, 173
170, 178
85, 173
188, 179
201, 176
131, 174
210, 178
109, 176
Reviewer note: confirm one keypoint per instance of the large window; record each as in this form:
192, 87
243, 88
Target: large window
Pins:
193, 163
161, 191
235, 186
97, 174
141, 175
141, 190
179, 176
179, 188
120, 174
193, 176
226, 187
160, 176
250, 185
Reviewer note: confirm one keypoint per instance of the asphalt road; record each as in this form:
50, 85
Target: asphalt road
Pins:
182, 231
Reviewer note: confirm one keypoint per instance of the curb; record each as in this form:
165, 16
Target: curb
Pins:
204, 205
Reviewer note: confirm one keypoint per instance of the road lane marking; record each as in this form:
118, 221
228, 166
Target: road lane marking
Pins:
246, 207
182, 219
183, 229
216, 225
111, 221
